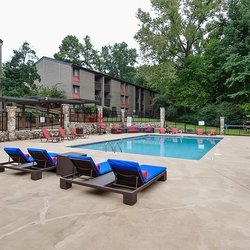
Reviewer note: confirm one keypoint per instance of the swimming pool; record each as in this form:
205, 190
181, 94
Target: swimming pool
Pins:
193, 148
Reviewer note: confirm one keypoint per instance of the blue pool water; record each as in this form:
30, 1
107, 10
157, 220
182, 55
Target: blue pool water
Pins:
193, 148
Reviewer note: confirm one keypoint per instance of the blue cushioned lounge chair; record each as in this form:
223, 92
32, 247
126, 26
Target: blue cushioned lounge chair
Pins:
127, 178
17, 160
37, 161
84, 165
17, 156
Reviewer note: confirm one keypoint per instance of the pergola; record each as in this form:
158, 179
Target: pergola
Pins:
39, 101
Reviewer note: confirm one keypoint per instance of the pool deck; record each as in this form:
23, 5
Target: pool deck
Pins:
204, 204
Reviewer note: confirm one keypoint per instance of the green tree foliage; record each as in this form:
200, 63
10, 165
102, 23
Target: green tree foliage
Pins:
118, 61
176, 29
207, 43
70, 50
90, 56
235, 47
19, 73
52, 91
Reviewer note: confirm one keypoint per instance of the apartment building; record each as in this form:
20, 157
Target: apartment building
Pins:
79, 82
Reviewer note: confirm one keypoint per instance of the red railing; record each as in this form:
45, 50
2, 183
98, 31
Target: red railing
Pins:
76, 78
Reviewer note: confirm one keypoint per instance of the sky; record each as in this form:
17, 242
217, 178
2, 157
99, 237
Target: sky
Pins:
44, 24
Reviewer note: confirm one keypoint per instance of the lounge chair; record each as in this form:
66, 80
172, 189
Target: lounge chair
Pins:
17, 156
64, 136
127, 178
29, 163
116, 130
48, 137
133, 129
212, 132
174, 130
149, 130
162, 130
83, 135
43, 161
84, 165
199, 131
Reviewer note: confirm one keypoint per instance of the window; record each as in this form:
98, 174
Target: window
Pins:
126, 101
76, 75
76, 72
122, 98
76, 89
76, 92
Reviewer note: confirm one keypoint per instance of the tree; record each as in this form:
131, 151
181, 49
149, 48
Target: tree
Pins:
20, 72
118, 61
52, 91
229, 52
177, 29
70, 50
91, 57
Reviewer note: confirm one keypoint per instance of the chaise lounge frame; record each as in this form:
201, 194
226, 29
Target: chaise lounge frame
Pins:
33, 168
110, 182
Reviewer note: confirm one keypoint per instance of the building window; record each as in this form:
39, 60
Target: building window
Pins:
76, 75
126, 101
76, 92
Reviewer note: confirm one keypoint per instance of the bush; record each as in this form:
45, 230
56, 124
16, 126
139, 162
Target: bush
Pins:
211, 114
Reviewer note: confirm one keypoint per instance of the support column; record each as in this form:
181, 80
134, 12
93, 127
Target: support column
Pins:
11, 126
222, 125
100, 113
65, 110
123, 117
162, 113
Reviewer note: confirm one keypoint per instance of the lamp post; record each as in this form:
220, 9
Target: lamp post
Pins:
1, 88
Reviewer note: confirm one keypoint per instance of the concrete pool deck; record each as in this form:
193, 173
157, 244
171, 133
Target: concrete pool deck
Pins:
204, 204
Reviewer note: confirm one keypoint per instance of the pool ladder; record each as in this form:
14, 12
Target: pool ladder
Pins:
113, 147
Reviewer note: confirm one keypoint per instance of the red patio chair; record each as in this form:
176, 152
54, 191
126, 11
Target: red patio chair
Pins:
212, 132
48, 137
162, 131
64, 136
174, 131
199, 131
83, 135
116, 130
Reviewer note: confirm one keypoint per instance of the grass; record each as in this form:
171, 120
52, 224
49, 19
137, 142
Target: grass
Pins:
207, 129
186, 127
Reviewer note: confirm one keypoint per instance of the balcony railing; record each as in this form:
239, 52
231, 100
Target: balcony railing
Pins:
106, 88
75, 96
124, 103
76, 78
124, 91
98, 86
106, 102
98, 99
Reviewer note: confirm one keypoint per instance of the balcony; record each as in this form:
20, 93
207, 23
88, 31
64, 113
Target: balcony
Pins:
106, 88
75, 96
124, 91
76, 78
98, 86
98, 99
106, 102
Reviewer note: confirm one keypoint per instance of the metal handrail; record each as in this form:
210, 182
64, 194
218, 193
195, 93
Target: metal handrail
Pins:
113, 147
106, 146
117, 144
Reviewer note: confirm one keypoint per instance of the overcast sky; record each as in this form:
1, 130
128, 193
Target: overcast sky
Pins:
43, 24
